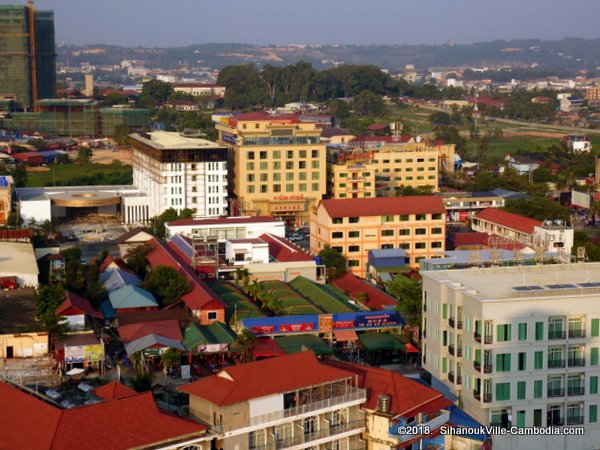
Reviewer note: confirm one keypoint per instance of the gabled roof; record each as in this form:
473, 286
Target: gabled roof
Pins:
470, 239
131, 297
376, 299
114, 279
383, 206
244, 382
152, 341
131, 237
509, 220
408, 397
283, 250
166, 328
215, 333
75, 305
114, 263
200, 295
120, 423
114, 391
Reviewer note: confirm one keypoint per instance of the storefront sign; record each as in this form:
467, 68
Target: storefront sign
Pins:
263, 329
285, 198
344, 324
296, 327
84, 353
325, 323
379, 320
229, 138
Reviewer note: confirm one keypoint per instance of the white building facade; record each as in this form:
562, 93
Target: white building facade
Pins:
180, 171
518, 346
224, 228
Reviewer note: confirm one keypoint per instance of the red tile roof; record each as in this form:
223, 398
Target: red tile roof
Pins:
123, 422
201, 295
376, 298
131, 233
383, 206
128, 317
221, 221
408, 397
117, 263
75, 305
114, 391
9, 235
283, 250
509, 220
166, 328
244, 382
470, 239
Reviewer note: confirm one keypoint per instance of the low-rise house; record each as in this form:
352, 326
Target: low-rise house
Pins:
77, 312
114, 279
132, 298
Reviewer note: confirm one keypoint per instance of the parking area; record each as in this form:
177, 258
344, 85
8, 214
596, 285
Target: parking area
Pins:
300, 237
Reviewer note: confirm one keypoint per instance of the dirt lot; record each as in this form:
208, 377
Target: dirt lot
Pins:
106, 156
533, 133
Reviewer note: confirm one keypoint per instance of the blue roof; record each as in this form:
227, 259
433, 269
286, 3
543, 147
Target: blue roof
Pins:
107, 310
131, 297
389, 257
505, 193
115, 279
460, 418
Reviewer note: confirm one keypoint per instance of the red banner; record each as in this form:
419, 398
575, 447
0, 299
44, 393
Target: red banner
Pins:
295, 327
344, 324
263, 329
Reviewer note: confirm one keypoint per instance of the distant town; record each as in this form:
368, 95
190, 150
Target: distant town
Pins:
295, 254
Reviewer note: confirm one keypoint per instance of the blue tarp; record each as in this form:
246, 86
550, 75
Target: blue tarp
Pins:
459, 418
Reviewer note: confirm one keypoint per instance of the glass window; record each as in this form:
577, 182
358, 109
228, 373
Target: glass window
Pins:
315, 164
353, 263
314, 175
404, 218
354, 234
289, 188
436, 244
503, 362
302, 165
594, 356
502, 391
337, 220
522, 331
593, 414
263, 155
594, 385
521, 390
264, 188
276, 177
314, 153
404, 232
337, 235
290, 154
289, 165
503, 332
436, 216
354, 248
264, 166
522, 361
250, 189
250, 155
353, 219
539, 360
538, 388
436, 230
302, 187
387, 232
289, 176
314, 186
249, 166
302, 153
277, 154
276, 188
595, 327
420, 245
387, 218
302, 176
264, 177
421, 231
421, 217
539, 331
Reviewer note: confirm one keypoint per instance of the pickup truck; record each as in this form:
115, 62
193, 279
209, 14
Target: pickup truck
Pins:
7, 283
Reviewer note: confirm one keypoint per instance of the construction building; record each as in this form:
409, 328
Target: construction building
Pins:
518, 346
277, 165
359, 172
357, 226
27, 55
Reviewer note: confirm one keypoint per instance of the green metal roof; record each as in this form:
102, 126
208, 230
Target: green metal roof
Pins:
215, 333
301, 342
381, 341
329, 300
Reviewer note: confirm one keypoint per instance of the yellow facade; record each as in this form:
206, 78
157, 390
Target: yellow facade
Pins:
278, 165
23, 345
421, 235
379, 172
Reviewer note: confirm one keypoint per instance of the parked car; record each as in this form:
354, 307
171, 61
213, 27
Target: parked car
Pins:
7, 283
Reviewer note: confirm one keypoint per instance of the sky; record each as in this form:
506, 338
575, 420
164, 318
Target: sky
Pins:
172, 23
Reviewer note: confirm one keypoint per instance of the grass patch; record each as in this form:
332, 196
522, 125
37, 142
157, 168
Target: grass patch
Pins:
81, 175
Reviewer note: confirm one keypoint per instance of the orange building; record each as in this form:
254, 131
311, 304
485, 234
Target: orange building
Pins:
355, 226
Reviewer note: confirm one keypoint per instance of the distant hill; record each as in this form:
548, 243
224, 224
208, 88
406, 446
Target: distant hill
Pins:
567, 54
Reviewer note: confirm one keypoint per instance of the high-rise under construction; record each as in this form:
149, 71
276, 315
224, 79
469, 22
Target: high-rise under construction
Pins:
27, 55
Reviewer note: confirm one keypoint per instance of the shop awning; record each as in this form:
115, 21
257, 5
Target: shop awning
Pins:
345, 335
411, 348
381, 341
266, 348
302, 342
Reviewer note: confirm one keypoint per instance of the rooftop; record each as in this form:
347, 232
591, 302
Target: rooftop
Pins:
223, 221
253, 380
376, 298
509, 220
17, 257
383, 206
170, 140
539, 281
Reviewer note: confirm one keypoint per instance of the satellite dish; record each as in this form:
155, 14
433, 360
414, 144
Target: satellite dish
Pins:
418, 139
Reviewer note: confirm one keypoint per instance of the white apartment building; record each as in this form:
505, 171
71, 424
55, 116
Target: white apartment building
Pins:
518, 346
178, 170
224, 228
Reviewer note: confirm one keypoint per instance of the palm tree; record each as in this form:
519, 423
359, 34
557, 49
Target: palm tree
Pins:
246, 341
241, 274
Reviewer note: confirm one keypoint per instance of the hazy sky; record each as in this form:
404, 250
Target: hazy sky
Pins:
168, 23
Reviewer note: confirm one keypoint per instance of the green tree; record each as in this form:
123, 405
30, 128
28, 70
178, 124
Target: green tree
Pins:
141, 381
245, 89
121, 135
334, 261
154, 92
539, 208
245, 342
115, 98
47, 299
450, 135
72, 253
157, 223
84, 155
169, 358
137, 258
409, 294
368, 104
166, 283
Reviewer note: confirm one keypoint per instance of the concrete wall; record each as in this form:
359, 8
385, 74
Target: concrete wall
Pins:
24, 345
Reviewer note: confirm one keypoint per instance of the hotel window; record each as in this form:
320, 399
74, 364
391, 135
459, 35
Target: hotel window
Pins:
420, 245
353, 248
289, 176
436, 230
257, 438
436, 216
310, 424
250, 177
284, 432
387, 233
339, 417
263, 155
302, 153
431, 177
302, 176
409, 160
314, 175
431, 159
289, 165
397, 161
338, 249
385, 246
353, 219
337, 235
289, 188
302, 165
342, 195
436, 245
421, 231
404, 232
276, 188
503, 362
314, 153
276, 165
315, 164
302, 187
353, 234
264, 177
337, 220
503, 332
277, 154
250, 189
342, 185
420, 169
387, 218
264, 188
250, 155
431, 169
421, 217
244, 126
420, 178
264, 166
409, 178
257, 126
276, 177
404, 246
315, 186
404, 218
353, 263
290, 154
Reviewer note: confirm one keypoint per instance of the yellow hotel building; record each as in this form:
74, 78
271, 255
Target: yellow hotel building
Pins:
356, 226
278, 165
377, 172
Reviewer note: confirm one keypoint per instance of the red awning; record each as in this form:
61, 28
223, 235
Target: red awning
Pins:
345, 335
266, 348
411, 349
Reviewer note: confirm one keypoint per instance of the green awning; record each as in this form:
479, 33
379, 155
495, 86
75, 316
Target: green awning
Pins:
302, 342
215, 333
381, 341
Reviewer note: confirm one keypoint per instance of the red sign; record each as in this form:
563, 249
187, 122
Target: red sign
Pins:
295, 327
283, 198
263, 329
344, 324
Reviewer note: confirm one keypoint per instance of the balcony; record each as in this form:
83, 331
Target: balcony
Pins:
576, 390
459, 324
487, 368
556, 334
451, 377
451, 349
487, 340
307, 438
433, 424
556, 363
556, 392
477, 337
576, 362
575, 420
459, 352
487, 397
574, 334
451, 322
353, 395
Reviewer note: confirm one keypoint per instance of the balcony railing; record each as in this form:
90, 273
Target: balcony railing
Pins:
487, 397
575, 420
451, 349
354, 394
556, 392
451, 322
576, 390
556, 363
556, 334
477, 337
306, 438
487, 339
576, 334
487, 368
576, 362
459, 324
459, 351
451, 377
